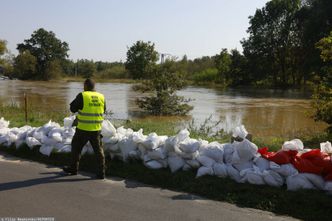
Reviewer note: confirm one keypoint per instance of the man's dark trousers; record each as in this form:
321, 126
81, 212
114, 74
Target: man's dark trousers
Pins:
80, 138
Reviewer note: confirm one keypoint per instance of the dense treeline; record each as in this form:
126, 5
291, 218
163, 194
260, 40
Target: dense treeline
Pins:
281, 51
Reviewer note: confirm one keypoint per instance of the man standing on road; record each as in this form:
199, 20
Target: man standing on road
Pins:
90, 106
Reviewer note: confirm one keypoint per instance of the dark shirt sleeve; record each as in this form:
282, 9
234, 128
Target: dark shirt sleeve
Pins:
104, 106
77, 103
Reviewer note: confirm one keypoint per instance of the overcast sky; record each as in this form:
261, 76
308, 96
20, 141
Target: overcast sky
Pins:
103, 29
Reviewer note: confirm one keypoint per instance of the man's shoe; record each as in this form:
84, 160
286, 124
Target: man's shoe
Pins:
69, 170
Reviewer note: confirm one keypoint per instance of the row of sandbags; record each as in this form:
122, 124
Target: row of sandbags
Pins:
239, 160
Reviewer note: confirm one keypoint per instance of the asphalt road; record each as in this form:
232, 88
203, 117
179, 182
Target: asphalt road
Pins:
30, 189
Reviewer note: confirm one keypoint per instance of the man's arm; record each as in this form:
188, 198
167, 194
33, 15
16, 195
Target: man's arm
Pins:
77, 103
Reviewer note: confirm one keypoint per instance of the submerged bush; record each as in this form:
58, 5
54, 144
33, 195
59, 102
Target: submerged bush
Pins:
162, 87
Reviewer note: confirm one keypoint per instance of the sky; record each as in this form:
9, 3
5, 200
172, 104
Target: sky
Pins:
103, 30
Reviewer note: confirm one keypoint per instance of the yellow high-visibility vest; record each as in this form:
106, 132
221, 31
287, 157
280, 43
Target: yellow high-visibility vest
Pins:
91, 116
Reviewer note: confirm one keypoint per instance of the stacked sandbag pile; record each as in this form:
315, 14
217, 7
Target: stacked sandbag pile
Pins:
241, 160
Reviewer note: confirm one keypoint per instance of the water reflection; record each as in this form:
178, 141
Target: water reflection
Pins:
264, 112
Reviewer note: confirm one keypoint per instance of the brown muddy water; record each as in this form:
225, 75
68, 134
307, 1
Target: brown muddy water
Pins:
263, 112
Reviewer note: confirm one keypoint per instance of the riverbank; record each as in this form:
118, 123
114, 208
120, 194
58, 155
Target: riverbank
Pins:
160, 125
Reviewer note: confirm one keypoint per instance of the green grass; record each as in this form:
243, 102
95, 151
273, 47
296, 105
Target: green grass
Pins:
36, 118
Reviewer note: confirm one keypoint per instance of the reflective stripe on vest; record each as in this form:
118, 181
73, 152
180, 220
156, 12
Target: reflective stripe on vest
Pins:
91, 117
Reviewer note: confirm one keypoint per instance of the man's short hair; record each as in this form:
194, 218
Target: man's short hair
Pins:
89, 84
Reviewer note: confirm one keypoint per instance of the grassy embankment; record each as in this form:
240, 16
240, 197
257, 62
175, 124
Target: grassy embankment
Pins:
306, 205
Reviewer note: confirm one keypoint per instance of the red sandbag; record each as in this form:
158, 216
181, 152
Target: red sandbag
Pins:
280, 157
306, 166
319, 159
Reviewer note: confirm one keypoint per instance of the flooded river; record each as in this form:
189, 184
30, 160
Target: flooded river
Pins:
263, 112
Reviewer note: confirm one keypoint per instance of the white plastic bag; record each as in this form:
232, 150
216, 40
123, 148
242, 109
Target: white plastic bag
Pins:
202, 171
107, 129
295, 144
175, 162
326, 147
240, 131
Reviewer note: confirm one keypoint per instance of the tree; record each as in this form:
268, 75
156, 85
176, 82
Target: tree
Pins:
238, 66
223, 62
3, 47
322, 97
272, 34
47, 49
164, 82
141, 59
6, 59
86, 68
25, 66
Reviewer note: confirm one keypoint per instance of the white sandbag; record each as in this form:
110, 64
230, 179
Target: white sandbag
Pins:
46, 128
152, 141
213, 150
153, 164
134, 154
284, 170
328, 187
3, 123
182, 135
46, 149
228, 153
126, 145
252, 176
261, 163
157, 154
163, 162
243, 165
175, 162
188, 156
193, 163
19, 142
48, 141
123, 132
4, 131
10, 138
240, 131
202, 171
170, 143
3, 139
65, 149
68, 132
315, 179
67, 140
87, 149
244, 151
220, 170
31, 142
56, 137
68, 121
233, 173
273, 178
39, 135
297, 182
138, 137
206, 161
107, 129
114, 148
111, 140
295, 144
186, 167
326, 147
189, 145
